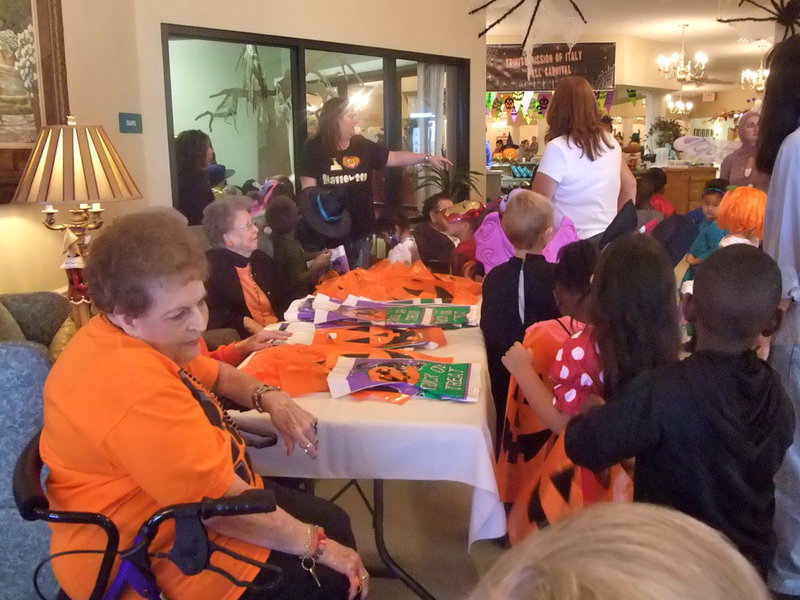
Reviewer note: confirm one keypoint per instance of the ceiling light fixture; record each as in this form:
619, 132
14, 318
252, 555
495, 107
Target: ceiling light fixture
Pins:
678, 68
678, 107
756, 79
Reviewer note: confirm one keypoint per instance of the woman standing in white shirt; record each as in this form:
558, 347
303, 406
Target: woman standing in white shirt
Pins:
582, 170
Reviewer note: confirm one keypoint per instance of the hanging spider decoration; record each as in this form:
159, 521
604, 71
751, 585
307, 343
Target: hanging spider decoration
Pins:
784, 12
533, 16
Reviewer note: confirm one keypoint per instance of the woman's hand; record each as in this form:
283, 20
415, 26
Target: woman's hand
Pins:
346, 561
517, 357
322, 260
440, 162
295, 424
263, 339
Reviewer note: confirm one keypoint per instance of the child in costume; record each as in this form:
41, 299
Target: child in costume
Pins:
633, 327
645, 212
526, 441
658, 200
505, 314
282, 216
463, 219
711, 233
741, 213
709, 432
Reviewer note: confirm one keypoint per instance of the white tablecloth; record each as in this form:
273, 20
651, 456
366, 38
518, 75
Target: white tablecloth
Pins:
420, 440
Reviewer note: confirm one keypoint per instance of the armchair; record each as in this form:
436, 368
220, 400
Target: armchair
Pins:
28, 323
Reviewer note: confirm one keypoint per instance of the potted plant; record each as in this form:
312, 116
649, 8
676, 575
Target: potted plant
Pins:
664, 131
456, 184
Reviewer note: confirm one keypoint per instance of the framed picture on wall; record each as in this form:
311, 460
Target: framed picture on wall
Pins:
33, 81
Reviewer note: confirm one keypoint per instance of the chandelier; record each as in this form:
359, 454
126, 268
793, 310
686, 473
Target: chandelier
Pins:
678, 107
756, 80
677, 67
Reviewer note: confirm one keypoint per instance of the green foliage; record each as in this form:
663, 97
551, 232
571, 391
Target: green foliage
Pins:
665, 131
455, 183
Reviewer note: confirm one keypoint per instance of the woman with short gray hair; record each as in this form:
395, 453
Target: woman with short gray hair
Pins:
245, 292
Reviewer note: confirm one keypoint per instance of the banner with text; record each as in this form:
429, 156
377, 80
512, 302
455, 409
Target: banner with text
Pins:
509, 68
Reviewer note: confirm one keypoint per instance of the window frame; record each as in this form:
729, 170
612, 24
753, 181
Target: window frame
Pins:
393, 125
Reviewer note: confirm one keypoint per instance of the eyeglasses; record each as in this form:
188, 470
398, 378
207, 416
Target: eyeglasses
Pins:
247, 225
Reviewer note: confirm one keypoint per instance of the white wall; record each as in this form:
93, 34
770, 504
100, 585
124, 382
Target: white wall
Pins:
115, 64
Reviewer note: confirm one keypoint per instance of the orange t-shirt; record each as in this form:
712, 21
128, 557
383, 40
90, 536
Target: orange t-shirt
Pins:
257, 301
127, 432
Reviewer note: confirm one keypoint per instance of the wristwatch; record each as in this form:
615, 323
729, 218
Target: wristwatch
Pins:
427, 159
259, 392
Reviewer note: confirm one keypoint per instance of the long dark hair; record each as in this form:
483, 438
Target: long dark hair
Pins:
328, 132
191, 147
781, 110
573, 112
633, 309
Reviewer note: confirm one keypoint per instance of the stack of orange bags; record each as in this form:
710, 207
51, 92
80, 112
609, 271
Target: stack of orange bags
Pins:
301, 369
395, 281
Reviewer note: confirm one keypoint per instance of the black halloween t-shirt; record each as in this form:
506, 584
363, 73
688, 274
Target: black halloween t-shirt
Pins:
349, 172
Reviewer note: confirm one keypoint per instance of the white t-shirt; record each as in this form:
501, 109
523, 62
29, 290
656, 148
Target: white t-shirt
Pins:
587, 189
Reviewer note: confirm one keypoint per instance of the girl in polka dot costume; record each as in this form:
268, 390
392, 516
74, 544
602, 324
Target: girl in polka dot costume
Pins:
633, 328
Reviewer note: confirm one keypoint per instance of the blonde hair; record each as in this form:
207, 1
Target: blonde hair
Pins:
527, 216
623, 552
742, 211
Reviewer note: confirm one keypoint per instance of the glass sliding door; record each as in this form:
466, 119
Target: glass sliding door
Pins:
257, 97
241, 96
426, 88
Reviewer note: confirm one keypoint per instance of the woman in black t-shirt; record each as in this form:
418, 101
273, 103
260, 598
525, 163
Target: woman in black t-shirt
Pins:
336, 158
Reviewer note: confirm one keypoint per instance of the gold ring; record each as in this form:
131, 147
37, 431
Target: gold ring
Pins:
364, 576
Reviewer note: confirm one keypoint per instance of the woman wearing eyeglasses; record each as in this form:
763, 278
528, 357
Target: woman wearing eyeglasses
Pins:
245, 291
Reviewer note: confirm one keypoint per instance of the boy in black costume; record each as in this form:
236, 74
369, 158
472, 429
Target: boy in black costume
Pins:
708, 433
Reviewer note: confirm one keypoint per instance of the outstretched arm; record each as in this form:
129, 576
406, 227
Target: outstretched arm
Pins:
398, 158
623, 428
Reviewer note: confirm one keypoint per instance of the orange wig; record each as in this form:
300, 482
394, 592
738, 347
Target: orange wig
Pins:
742, 211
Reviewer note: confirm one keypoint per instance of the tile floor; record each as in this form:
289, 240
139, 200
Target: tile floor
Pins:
426, 531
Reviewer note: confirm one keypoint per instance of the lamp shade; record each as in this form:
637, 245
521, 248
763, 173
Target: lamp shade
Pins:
76, 164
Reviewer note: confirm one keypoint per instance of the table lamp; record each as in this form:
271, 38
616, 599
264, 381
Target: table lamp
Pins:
75, 165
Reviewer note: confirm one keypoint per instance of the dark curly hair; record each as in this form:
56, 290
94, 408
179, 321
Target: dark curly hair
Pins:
633, 308
136, 251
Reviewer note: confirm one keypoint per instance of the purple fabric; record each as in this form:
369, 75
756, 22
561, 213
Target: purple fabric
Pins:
566, 234
493, 247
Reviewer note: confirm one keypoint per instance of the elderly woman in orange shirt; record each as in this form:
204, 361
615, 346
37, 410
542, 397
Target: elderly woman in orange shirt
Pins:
141, 427
245, 291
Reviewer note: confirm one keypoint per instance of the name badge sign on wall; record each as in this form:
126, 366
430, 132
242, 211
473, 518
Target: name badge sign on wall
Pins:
507, 67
